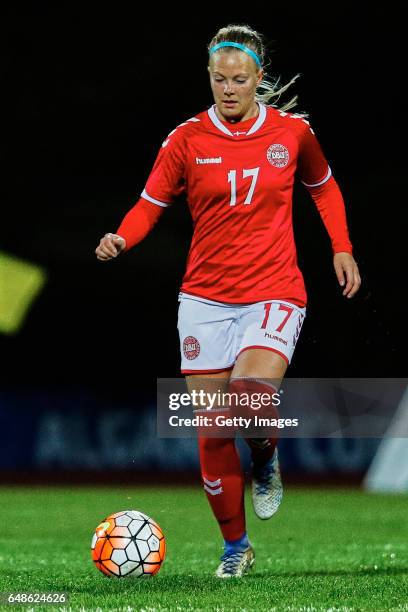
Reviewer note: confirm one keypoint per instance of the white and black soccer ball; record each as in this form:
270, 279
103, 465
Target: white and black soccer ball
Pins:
128, 543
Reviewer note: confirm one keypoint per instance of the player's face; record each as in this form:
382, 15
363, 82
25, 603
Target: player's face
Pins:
234, 78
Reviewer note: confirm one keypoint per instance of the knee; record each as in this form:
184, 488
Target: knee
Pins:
249, 384
251, 396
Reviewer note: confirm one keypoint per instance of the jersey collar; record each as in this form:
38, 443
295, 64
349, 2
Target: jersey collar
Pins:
258, 123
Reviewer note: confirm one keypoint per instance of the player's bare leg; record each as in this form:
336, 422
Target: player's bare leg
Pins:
260, 363
267, 490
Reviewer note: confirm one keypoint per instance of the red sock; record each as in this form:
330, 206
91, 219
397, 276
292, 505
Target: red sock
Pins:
224, 484
262, 448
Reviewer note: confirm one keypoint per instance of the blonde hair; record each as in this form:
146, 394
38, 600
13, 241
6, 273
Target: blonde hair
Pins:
269, 90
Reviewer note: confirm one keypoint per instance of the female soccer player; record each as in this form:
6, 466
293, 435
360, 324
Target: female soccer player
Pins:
242, 300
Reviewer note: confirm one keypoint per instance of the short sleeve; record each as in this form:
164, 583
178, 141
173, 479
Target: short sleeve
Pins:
167, 178
313, 168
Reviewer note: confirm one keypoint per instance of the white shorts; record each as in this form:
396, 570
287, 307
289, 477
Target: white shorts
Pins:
213, 334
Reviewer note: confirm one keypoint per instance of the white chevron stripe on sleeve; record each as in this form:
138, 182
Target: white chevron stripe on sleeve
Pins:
146, 196
326, 178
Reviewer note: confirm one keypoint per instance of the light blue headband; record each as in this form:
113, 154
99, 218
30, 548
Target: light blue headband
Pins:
238, 46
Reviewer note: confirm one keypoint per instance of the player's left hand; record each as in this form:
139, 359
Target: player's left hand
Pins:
347, 273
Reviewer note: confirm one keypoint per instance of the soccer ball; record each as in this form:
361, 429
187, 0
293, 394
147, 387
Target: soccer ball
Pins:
128, 543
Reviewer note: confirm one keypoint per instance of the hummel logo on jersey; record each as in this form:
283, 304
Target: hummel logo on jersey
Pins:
238, 133
208, 160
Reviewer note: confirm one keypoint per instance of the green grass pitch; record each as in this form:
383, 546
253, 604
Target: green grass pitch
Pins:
324, 550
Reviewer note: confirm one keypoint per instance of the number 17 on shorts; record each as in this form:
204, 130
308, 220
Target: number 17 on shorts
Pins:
275, 325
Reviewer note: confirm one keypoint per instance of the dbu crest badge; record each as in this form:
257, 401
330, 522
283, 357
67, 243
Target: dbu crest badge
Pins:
278, 155
191, 347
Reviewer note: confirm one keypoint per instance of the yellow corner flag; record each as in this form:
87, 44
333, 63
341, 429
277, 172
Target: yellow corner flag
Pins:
20, 283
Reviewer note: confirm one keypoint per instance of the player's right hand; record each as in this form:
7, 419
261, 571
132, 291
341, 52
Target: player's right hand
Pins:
111, 245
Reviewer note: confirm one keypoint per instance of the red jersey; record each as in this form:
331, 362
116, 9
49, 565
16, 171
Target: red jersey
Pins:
238, 180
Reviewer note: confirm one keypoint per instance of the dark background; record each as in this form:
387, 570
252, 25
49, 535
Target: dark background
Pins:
90, 94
